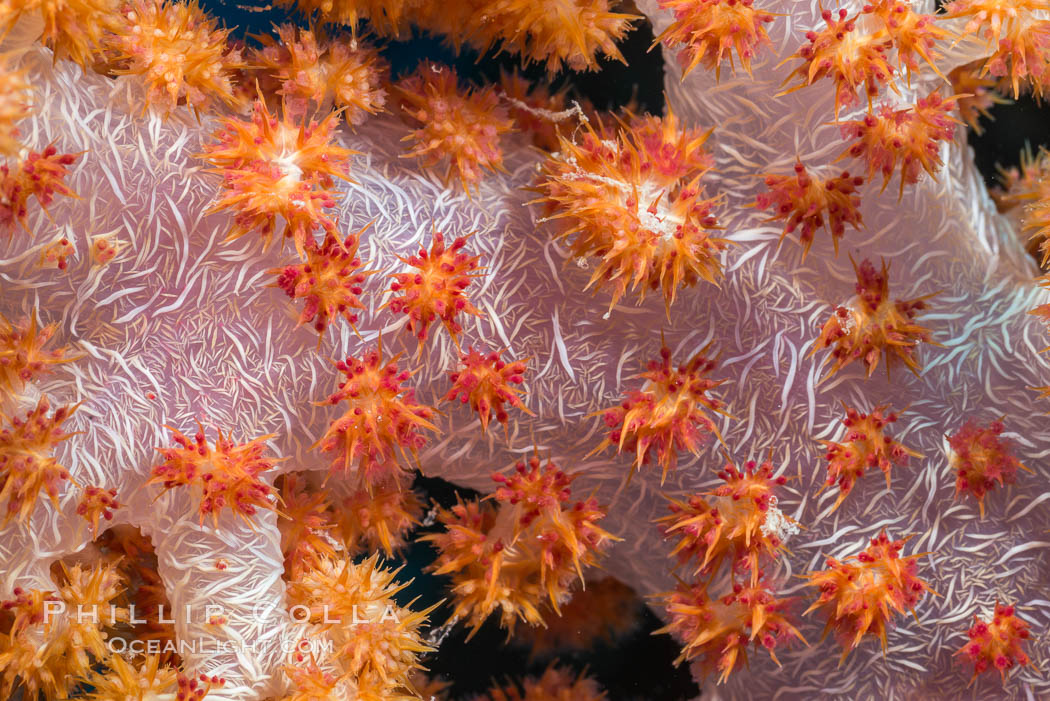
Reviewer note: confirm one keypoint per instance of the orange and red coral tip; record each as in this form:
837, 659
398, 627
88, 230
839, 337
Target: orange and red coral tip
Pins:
997, 644
669, 414
41, 175
981, 459
27, 467
709, 31
226, 476
872, 325
23, 357
486, 383
97, 503
436, 289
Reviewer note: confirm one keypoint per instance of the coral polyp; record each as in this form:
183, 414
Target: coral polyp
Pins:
717, 632
278, 168
41, 174
709, 31
485, 381
224, 476
24, 356
146, 680
521, 553
804, 201
738, 521
633, 203
27, 467
997, 644
97, 503
671, 413
304, 523
15, 100
379, 518
864, 447
860, 595
981, 460
73, 29
177, 50
436, 289
873, 325
383, 421
329, 280
556, 684
459, 128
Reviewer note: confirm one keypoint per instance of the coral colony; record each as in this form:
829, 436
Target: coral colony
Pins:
247, 291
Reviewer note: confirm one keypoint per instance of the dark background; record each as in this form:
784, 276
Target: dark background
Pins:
640, 665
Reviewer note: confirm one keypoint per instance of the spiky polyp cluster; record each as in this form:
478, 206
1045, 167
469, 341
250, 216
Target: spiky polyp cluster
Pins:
729, 521
97, 503
382, 422
980, 459
865, 446
719, 631
486, 383
56, 637
1017, 38
329, 279
303, 522
556, 684
368, 520
634, 205
861, 594
14, 104
376, 642
872, 325
278, 168
460, 128
976, 93
73, 29
150, 680
805, 201
23, 357
436, 289
710, 30
669, 414
335, 73
521, 553
905, 140
41, 175
996, 644
26, 463
225, 476
601, 612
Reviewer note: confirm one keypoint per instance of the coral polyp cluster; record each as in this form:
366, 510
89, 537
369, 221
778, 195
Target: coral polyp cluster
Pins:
224, 476
486, 382
145, 681
873, 325
24, 356
383, 422
719, 631
458, 128
632, 202
378, 518
709, 31
805, 201
997, 644
278, 168
97, 503
738, 521
981, 460
671, 413
436, 289
73, 29
861, 595
28, 468
14, 104
865, 446
555, 684
303, 523
40, 175
522, 552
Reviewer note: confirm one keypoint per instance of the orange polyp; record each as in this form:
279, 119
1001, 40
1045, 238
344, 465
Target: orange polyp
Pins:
981, 459
225, 477
997, 644
41, 175
667, 415
710, 30
97, 503
26, 464
728, 521
23, 357
872, 325
278, 168
861, 594
73, 29
303, 522
382, 422
632, 202
805, 201
520, 549
719, 631
485, 382
329, 279
379, 518
437, 288
15, 101
865, 446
